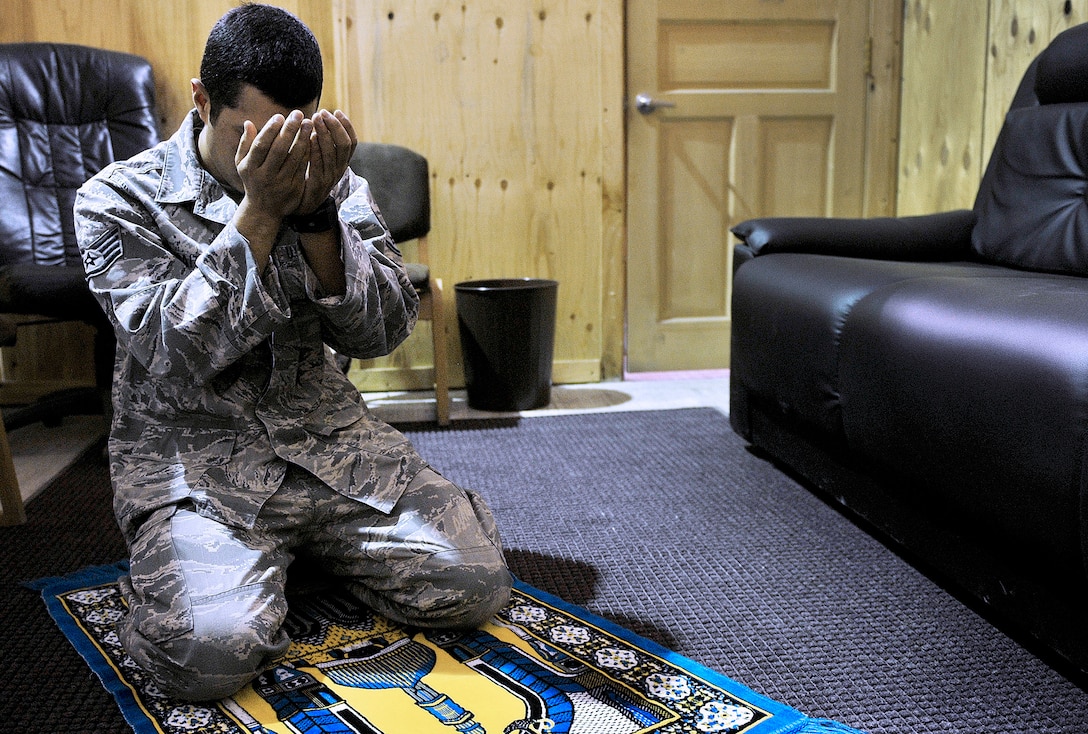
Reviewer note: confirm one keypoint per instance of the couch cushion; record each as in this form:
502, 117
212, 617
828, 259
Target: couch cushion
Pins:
972, 392
788, 315
1031, 206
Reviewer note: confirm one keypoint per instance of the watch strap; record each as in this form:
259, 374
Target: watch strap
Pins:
321, 219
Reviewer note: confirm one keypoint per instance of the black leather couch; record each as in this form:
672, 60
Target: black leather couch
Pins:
931, 373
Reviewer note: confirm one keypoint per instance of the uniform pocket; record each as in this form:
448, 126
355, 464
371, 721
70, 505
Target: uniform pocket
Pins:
162, 466
328, 419
157, 595
169, 461
190, 446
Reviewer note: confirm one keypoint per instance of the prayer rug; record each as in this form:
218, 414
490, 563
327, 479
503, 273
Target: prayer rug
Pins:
540, 666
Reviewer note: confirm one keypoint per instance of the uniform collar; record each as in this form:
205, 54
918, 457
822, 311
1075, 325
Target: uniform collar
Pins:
186, 181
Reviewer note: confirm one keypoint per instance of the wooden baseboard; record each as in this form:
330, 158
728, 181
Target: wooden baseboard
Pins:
393, 378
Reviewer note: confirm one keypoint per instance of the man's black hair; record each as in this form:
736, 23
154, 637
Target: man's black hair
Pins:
266, 47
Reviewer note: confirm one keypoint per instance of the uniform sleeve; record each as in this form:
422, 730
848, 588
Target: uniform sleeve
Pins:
379, 308
177, 313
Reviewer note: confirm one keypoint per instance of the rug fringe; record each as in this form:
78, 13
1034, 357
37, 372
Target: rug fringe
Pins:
823, 726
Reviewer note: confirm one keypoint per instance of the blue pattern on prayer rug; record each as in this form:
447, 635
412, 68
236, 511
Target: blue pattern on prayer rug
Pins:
541, 665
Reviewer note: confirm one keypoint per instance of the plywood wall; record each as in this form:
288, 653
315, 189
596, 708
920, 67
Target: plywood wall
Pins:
962, 63
169, 33
517, 104
1018, 31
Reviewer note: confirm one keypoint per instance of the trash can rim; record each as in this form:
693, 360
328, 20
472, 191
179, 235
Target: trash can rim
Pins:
504, 284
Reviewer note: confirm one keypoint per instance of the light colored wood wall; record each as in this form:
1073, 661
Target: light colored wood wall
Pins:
169, 33
962, 63
517, 104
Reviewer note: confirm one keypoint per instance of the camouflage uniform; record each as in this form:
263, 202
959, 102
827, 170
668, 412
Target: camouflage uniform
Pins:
237, 443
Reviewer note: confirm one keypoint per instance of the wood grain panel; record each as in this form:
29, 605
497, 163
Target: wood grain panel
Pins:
961, 69
752, 55
507, 101
1019, 30
883, 108
169, 33
46, 357
789, 146
695, 161
944, 83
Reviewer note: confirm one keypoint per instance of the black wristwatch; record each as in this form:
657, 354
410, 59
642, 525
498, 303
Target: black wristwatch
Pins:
322, 219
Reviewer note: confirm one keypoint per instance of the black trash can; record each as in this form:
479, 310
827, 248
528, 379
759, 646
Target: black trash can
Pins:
507, 337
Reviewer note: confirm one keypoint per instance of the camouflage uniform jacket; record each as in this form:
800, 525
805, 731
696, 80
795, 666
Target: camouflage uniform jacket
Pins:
222, 375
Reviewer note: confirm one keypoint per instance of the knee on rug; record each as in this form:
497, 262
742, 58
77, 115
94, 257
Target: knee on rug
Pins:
461, 589
217, 657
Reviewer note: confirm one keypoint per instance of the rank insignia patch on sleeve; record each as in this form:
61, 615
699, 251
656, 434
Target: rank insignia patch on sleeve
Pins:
103, 253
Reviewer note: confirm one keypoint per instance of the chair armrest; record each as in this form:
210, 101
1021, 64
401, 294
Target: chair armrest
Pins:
943, 236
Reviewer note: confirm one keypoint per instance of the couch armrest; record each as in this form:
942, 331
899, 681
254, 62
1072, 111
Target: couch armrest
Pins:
943, 236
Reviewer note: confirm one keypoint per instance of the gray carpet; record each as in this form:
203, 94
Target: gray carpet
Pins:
662, 522
665, 523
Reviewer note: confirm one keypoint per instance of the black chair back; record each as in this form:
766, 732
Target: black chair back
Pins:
399, 182
65, 112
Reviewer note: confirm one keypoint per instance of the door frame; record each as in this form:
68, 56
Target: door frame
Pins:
882, 124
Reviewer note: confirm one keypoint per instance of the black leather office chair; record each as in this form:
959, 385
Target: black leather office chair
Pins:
65, 112
400, 183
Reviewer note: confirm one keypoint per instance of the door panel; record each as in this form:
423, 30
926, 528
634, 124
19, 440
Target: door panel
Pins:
788, 147
765, 115
693, 197
744, 54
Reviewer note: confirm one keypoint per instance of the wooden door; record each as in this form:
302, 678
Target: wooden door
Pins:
757, 108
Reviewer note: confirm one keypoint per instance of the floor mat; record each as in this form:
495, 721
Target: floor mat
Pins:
541, 665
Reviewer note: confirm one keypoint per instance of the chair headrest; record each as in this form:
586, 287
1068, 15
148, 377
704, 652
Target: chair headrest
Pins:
1061, 74
65, 112
67, 84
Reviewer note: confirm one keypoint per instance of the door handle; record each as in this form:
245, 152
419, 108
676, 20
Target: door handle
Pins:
646, 104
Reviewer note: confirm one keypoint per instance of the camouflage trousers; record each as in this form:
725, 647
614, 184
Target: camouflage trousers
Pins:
206, 601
